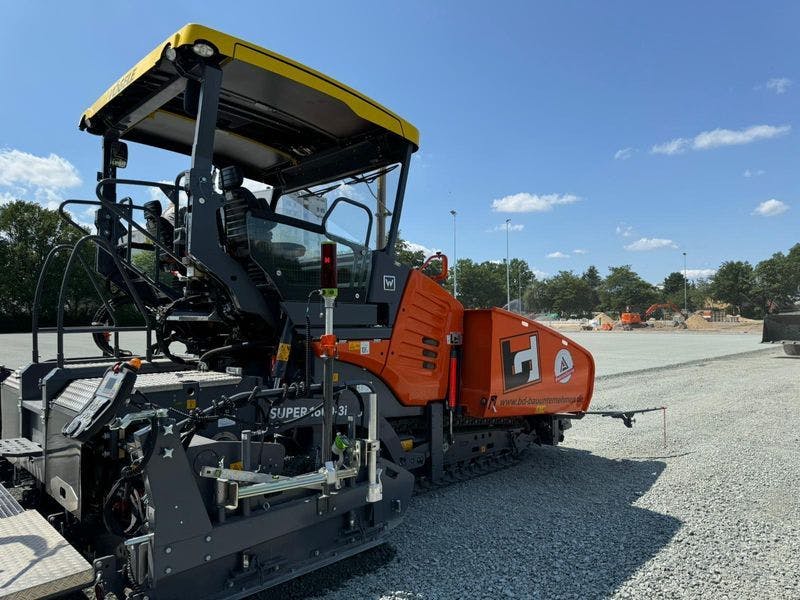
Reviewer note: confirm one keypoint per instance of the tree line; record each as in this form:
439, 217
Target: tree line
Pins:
29, 231
751, 291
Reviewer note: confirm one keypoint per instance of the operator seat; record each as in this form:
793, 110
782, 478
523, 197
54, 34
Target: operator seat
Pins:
230, 182
239, 203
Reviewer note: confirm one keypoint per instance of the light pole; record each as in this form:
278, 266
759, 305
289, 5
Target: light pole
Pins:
508, 268
455, 257
685, 302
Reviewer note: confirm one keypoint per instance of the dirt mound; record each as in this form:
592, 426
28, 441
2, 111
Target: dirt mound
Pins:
696, 322
604, 319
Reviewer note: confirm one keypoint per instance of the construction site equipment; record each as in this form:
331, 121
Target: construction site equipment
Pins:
633, 319
257, 439
630, 320
783, 328
662, 306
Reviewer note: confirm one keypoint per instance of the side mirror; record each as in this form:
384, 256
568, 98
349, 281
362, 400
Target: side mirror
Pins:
119, 155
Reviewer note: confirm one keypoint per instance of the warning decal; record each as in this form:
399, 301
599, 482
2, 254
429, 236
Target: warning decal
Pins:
564, 367
283, 352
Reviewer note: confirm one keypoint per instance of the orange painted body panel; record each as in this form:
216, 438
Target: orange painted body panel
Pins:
513, 366
510, 366
418, 363
370, 354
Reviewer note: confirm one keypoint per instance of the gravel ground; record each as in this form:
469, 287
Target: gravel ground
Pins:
625, 351
612, 513
614, 351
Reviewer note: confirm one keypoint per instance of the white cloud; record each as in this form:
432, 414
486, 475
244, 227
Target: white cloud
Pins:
421, 159
748, 173
525, 202
540, 274
644, 244
414, 247
344, 189
676, 146
715, 138
624, 230
731, 137
700, 273
511, 227
44, 177
779, 85
557, 254
6, 197
771, 208
579, 251
624, 153
22, 168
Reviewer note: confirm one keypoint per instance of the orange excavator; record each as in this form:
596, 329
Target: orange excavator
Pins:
668, 305
632, 319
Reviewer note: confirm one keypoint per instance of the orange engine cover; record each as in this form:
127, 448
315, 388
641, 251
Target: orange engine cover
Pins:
513, 366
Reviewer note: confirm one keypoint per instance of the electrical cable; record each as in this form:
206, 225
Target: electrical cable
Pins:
127, 474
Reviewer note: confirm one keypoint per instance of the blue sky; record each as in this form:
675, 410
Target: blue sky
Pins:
615, 132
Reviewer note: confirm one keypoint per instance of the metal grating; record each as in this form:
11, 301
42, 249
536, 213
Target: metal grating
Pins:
36, 561
160, 382
78, 393
8, 504
17, 447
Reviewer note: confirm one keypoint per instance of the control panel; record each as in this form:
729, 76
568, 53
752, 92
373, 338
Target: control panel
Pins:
112, 392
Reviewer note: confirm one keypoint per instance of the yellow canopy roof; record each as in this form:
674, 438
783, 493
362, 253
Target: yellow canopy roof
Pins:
273, 111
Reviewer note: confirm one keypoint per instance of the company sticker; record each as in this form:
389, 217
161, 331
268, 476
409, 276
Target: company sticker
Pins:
365, 347
353, 346
564, 366
389, 283
520, 355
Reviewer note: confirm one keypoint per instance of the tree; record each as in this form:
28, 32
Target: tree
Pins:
623, 288
771, 284
568, 295
672, 290
734, 283
699, 293
521, 279
592, 277
27, 233
405, 255
481, 285
535, 298
673, 284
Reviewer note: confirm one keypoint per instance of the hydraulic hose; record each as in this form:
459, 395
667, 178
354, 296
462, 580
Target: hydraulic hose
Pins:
226, 349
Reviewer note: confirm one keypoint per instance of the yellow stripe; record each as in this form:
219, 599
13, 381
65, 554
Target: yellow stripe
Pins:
264, 59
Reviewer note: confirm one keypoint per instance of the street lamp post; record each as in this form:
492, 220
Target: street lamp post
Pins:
455, 257
508, 268
685, 283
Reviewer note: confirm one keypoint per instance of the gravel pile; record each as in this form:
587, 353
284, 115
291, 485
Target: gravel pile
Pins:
715, 514
696, 322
